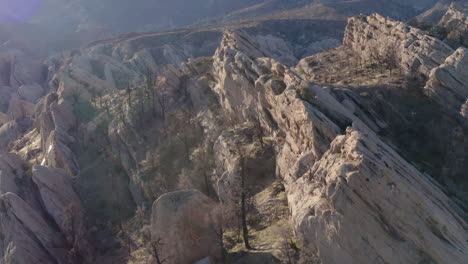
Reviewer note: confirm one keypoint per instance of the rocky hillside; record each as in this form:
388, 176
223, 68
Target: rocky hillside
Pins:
149, 149
446, 21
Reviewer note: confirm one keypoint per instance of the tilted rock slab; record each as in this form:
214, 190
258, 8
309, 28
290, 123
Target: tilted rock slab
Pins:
376, 36
362, 203
63, 204
352, 198
25, 236
448, 83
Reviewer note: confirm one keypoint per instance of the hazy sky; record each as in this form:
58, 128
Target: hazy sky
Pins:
18, 10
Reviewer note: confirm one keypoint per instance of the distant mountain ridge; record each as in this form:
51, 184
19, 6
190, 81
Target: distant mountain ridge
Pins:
147, 15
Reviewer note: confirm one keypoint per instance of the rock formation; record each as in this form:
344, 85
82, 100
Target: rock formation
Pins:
448, 83
379, 38
185, 225
454, 25
142, 111
350, 163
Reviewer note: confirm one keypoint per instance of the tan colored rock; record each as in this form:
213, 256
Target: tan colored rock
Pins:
336, 182
54, 120
11, 172
9, 132
448, 83
63, 204
23, 70
30, 93
464, 109
361, 180
18, 108
455, 24
4, 118
375, 37
184, 224
25, 236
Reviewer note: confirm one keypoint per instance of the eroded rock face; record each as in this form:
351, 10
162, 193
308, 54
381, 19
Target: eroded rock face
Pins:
26, 236
448, 83
8, 133
184, 224
407, 219
54, 119
331, 173
11, 172
40, 217
30, 93
62, 203
18, 108
376, 38
455, 24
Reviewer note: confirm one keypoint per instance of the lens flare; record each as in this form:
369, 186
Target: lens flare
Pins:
18, 11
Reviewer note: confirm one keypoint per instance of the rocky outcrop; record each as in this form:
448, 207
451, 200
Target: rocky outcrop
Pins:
454, 25
30, 93
41, 216
25, 236
260, 119
184, 225
448, 83
377, 39
63, 204
9, 132
54, 120
464, 109
408, 219
331, 172
11, 172
18, 108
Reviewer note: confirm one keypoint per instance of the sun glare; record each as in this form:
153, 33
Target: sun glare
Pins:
17, 11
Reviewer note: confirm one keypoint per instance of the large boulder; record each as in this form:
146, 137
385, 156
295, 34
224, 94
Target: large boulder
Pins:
9, 132
183, 223
30, 93
19, 108
11, 172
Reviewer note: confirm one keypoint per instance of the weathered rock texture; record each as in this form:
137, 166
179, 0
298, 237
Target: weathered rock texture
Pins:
328, 183
454, 24
26, 236
407, 219
377, 38
448, 83
337, 172
62, 203
42, 220
184, 224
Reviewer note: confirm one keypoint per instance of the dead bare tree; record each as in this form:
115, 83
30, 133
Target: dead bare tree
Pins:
218, 222
128, 92
391, 58
155, 251
243, 200
161, 95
